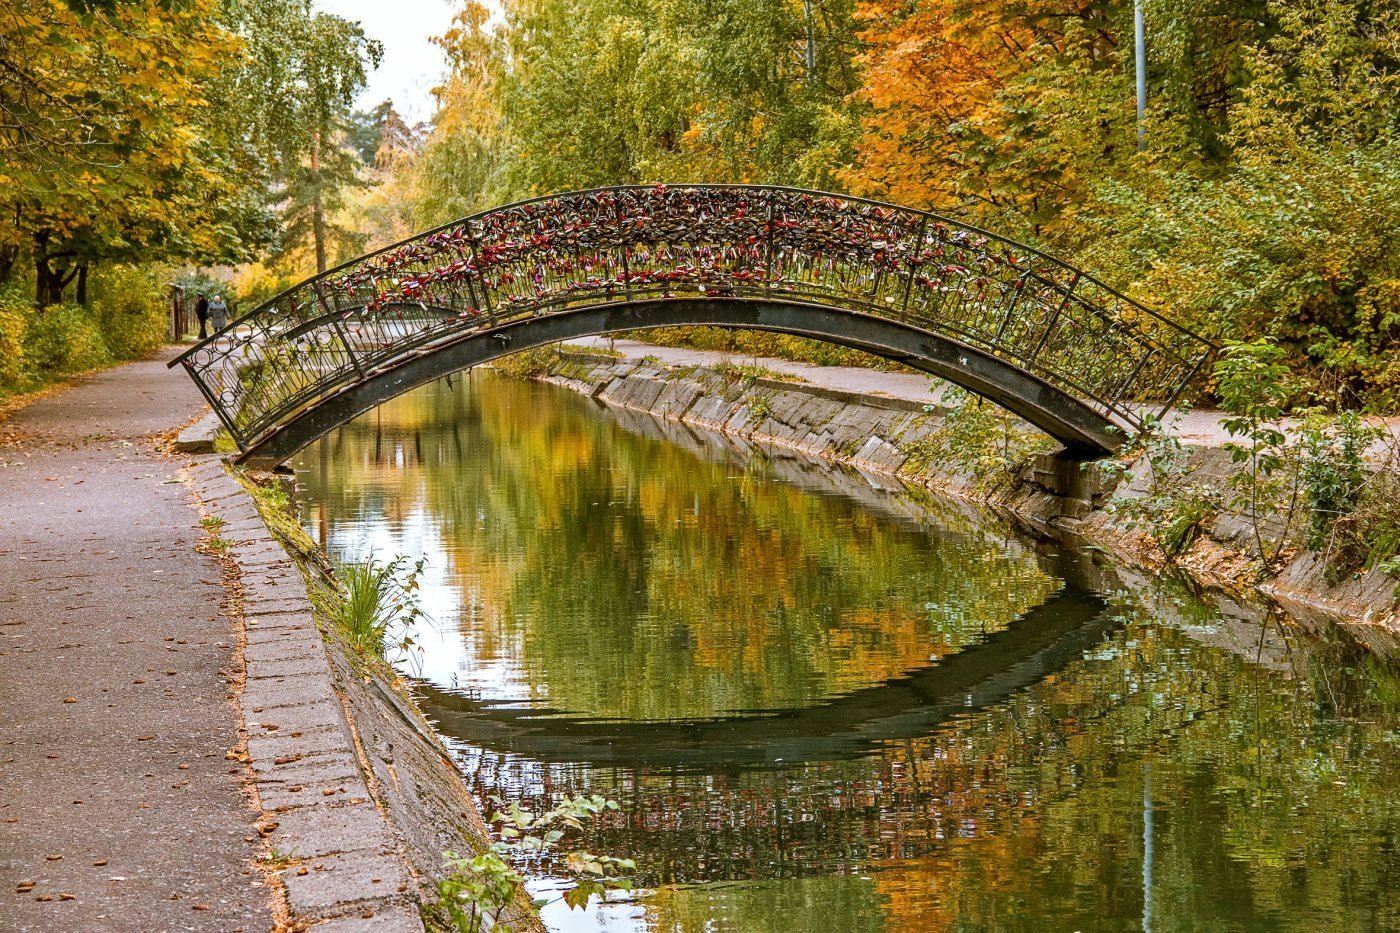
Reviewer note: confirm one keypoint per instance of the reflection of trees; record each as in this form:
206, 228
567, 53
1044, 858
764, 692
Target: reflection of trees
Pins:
641, 582
1276, 792
1276, 799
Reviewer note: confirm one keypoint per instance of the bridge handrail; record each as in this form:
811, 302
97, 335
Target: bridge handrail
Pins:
1123, 316
584, 192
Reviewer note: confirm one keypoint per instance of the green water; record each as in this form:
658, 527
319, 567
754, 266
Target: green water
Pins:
824, 704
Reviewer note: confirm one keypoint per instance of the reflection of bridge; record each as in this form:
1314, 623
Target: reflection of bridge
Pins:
1046, 341
1040, 643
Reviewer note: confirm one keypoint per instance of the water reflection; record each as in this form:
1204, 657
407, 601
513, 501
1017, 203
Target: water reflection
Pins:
827, 706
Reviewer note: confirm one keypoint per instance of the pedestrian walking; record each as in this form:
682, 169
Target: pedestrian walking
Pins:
201, 310
218, 313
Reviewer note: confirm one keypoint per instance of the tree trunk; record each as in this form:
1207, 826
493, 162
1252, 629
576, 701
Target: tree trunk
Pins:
82, 297
49, 282
9, 255
318, 217
43, 275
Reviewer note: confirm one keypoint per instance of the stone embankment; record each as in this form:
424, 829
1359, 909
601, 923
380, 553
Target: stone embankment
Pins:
903, 435
360, 799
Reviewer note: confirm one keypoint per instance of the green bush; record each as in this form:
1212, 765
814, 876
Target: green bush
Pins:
15, 312
65, 339
762, 343
1298, 245
130, 303
379, 604
126, 319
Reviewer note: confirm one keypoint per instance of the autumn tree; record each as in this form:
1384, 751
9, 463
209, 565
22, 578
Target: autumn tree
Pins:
113, 146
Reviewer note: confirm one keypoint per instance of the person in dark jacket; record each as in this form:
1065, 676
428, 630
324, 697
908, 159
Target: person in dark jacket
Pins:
201, 311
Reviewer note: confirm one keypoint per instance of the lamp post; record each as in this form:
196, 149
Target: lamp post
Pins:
1140, 42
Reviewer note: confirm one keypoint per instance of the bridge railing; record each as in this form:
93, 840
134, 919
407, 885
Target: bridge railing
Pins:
632, 243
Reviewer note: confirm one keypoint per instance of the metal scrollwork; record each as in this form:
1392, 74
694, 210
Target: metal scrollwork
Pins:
565, 252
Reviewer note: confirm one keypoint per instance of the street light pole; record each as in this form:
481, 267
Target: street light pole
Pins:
1140, 41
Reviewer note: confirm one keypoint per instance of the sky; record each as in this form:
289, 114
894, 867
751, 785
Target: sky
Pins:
411, 65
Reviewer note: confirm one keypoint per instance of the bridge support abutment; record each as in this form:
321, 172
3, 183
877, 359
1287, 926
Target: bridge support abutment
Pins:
1073, 478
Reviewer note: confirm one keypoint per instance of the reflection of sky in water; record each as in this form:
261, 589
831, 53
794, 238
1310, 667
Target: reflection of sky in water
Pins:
578, 560
448, 654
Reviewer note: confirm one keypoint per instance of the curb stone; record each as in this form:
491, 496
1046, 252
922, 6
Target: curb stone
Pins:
198, 438
350, 874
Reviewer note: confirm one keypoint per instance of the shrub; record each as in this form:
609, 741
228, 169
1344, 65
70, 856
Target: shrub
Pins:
65, 339
130, 303
980, 440
1254, 382
15, 312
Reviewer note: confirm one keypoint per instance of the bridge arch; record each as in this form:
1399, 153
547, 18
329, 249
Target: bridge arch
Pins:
1046, 341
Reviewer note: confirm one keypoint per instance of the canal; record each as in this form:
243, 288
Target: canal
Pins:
824, 702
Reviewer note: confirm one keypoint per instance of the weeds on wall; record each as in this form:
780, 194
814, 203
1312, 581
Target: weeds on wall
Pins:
528, 364
380, 605
1166, 506
1368, 536
1333, 464
979, 440
1316, 467
746, 374
479, 892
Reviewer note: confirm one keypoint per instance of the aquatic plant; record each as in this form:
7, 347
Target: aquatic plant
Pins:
379, 604
479, 891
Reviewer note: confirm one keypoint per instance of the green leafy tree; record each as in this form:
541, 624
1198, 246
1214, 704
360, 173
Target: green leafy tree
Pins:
116, 143
1254, 382
303, 68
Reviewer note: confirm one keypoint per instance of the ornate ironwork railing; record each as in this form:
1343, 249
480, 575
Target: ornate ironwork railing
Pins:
624, 244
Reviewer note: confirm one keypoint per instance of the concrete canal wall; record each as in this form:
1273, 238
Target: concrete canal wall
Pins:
903, 438
359, 797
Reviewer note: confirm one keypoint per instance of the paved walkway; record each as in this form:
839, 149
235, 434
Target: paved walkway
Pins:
118, 808
1201, 427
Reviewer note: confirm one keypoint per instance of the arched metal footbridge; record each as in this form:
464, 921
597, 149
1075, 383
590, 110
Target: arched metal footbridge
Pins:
1046, 341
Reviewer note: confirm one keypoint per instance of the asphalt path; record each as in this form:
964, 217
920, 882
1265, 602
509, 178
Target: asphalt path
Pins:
119, 809
1201, 427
